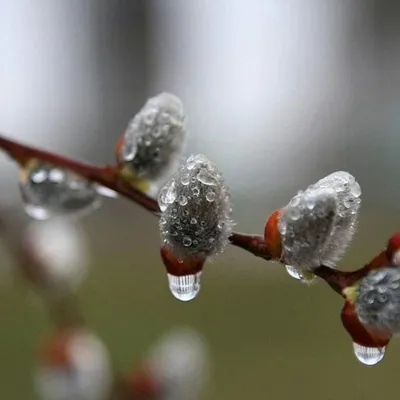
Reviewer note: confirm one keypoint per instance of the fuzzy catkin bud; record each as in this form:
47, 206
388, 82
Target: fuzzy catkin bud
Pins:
196, 210
305, 224
377, 299
318, 224
154, 138
349, 200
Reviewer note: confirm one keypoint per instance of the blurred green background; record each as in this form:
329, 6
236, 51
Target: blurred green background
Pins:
269, 336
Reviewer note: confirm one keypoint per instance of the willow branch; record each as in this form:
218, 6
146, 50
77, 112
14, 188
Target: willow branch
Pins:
110, 177
107, 176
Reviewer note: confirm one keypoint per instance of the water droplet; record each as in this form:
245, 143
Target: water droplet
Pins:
48, 191
295, 201
195, 191
106, 192
294, 213
355, 189
300, 274
37, 212
56, 175
170, 195
193, 221
191, 162
210, 196
293, 272
310, 202
182, 200
187, 242
184, 288
368, 355
130, 145
167, 195
204, 176
39, 176
282, 227
185, 179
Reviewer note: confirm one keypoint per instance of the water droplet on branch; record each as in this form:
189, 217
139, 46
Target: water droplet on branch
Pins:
48, 191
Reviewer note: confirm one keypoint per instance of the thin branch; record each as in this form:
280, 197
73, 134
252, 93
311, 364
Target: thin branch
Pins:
109, 177
254, 244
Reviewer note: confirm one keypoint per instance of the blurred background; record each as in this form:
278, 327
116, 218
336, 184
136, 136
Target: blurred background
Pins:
278, 94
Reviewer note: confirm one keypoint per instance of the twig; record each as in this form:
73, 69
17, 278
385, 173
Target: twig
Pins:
110, 177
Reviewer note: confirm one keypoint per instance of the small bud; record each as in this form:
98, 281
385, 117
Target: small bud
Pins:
195, 221
74, 364
196, 210
377, 300
152, 143
316, 226
49, 191
60, 250
349, 200
369, 343
305, 225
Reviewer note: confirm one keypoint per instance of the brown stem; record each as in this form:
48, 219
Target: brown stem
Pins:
336, 279
110, 177
254, 244
107, 176
339, 280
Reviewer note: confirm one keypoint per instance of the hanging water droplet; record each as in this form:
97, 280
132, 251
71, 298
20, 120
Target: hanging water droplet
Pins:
48, 191
186, 241
106, 192
300, 274
210, 196
368, 355
193, 221
293, 272
182, 200
184, 288
36, 212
